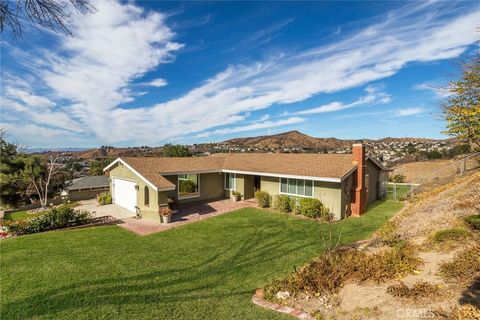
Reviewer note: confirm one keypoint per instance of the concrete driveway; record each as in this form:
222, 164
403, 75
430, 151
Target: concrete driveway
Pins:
107, 210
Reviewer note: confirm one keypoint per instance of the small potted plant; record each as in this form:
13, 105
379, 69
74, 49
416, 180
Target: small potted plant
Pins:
166, 214
235, 196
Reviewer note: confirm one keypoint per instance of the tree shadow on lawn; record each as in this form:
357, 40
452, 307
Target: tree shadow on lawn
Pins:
223, 275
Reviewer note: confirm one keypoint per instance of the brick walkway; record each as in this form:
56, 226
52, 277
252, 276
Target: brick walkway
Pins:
299, 314
186, 214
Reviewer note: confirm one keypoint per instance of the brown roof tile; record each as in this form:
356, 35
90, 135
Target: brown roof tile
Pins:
311, 165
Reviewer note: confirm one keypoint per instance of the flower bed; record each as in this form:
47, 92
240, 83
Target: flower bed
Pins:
56, 218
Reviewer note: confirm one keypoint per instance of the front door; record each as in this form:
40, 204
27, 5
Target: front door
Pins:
256, 183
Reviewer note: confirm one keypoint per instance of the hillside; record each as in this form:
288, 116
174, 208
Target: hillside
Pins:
296, 139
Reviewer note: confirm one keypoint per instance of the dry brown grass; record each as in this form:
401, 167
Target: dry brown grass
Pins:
421, 289
329, 273
464, 266
440, 208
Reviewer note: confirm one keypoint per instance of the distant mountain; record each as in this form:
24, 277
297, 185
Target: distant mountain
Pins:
42, 150
296, 139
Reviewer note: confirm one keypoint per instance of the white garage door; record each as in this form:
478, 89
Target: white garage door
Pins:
124, 194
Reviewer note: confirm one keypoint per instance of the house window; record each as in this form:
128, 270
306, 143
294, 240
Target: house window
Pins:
146, 195
188, 186
296, 187
230, 181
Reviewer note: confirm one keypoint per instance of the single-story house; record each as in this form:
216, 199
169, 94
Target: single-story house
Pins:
345, 183
88, 187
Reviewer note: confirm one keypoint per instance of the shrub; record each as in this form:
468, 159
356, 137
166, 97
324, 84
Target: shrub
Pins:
453, 234
388, 233
313, 208
104, 198
295, 205
473, 221
329, 272
263, 199
464, 265
55, 218
282, 203
421, 289
398, 178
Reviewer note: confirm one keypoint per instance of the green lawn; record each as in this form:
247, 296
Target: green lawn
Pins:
401, 191
204, 270
16, 215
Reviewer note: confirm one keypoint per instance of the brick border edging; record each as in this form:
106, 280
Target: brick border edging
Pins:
257, 298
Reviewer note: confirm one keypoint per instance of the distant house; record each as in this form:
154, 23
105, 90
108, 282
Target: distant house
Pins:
87, 187
345, 183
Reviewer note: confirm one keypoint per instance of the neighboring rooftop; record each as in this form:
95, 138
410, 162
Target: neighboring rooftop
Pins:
88, 182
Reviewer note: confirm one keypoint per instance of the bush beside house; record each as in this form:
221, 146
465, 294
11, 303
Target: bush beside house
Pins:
263, 199
104, 198
56, 218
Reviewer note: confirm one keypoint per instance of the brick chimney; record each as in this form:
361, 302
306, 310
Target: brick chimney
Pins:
359, 197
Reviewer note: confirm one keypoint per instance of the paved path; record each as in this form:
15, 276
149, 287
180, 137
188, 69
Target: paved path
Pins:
107, 210
186, 214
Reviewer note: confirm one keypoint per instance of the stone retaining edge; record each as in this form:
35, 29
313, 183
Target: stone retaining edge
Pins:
299, 314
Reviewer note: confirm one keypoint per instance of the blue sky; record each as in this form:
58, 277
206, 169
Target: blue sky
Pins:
148, 73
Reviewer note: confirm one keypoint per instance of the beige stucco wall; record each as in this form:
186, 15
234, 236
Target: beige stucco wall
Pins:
330, 193
211, 187
149, 212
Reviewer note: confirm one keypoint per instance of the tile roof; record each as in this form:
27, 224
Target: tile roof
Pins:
297, 164
309, 165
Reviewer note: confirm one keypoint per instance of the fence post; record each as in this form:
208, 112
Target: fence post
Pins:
394, 191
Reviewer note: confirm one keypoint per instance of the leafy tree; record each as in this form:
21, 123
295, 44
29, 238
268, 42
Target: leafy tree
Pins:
11, 164
41, 176
50, 14
176, 150
462, 109
96, 166
411, 148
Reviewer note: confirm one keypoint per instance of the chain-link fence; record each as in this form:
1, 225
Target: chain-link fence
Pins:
399, 191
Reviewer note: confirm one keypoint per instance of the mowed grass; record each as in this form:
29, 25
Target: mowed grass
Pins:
204, 270
16, 215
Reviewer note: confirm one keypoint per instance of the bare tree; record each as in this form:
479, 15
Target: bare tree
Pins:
51, 14
39, 175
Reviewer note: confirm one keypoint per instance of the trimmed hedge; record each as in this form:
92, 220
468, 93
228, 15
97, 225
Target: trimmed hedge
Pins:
282, 203
263, 199
313, 208
104, 198
56, 218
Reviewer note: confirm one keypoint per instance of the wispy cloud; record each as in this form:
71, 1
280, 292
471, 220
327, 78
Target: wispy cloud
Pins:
439, 90
91, 75
156, 83
408, 112
373, 96
261, 124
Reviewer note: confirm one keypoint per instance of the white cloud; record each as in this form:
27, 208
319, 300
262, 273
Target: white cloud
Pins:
95, 70
440, 91
374, 96
157, 83
408, 112
31, 100
260, 124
